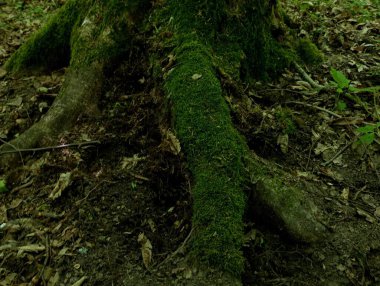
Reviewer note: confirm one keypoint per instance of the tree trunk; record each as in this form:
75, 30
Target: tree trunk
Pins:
200, 44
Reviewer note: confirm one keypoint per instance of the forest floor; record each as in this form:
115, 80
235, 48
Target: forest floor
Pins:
72, 216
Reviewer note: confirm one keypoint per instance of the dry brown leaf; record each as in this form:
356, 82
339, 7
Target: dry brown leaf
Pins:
196, 76
175, 146
32, 248
146, 249
63, 182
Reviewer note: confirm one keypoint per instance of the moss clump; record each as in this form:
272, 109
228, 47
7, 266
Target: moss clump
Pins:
222, 34
309, 52
50, 46
215, 153
284, 117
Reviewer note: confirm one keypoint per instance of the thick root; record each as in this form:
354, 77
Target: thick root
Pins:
49, 48
82, 87
281, 200
215, 154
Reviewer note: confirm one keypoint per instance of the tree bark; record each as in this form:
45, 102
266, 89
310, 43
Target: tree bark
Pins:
202, 40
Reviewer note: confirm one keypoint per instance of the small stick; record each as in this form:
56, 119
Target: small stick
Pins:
316, 107
15, 149
177, 250
50, 147
307, 77
338, 153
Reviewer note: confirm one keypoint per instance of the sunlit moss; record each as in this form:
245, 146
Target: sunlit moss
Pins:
309, 52
215, 154
49, 47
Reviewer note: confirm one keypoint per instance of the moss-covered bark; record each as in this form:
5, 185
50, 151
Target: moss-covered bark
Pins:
49, 48
210, 38
234, 39
78, 33
215, 154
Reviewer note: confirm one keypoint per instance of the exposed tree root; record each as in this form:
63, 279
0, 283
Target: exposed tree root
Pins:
288, 205
83, 81
218, 157
78, 94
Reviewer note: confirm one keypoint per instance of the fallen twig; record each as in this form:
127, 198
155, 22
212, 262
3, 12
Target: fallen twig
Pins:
316, 107
180, 248
307, 77
51, 147
338, 153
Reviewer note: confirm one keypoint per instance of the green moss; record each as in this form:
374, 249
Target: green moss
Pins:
81, 32
309, 52
215, 153
284, 118
235, 38
108, 31
50, 46
208, 34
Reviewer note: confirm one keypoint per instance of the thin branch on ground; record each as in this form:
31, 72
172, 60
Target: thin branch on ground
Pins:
79, 145
339, 153
316, 107
180, 248
307, 77
14, 151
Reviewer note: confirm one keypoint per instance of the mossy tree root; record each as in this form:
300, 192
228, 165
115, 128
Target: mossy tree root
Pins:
284, 202
75, 33
219, 158
215, 155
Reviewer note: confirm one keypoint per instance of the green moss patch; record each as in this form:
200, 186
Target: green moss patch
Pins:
50, 46
215, 154
309, 52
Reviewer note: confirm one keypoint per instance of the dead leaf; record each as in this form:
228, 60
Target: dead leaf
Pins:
15, 203
80, 281
320, 148
377, 212
175, 146
130, 163
369, 200
347, 121
196, 76
8, 280
152, 225
3, 73
54, 279
32, 248
63, 251
345, 194
367, 216
283, 141
63, 182
187, 274
146, 249
15, 102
